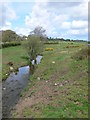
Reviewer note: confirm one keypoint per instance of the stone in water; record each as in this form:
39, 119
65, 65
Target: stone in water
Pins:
4, 88
38, 78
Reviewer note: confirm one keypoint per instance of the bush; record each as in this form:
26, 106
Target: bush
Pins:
9, 44
49, 49
34, 46
71, 43
73, 46
52, 42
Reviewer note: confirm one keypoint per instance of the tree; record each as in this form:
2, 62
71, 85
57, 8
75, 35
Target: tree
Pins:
9, 35
39, 31
34, 47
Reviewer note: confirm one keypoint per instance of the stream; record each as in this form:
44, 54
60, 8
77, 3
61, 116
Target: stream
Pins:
13, 86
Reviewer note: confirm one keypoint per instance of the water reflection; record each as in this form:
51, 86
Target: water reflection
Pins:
13, 86
38, 59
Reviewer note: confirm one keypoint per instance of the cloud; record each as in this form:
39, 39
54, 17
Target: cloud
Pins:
72, 9
39, 17
80, 11
8, 12
78, 32
23, 31
63, 4
75, 24
58, 18
66, 25
79, 24
43, 16
6, 26
6, 15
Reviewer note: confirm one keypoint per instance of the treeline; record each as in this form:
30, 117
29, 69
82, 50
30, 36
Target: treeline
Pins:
62, 39
9, 36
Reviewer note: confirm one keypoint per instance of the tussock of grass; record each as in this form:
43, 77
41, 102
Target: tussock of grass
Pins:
82, 54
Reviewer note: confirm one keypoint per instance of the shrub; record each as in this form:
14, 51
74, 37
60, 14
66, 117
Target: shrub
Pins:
49, 49
71, 43
76, 46
34, 46
9, 44
52, 42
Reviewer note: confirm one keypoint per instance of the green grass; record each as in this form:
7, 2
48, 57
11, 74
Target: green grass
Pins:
72, 98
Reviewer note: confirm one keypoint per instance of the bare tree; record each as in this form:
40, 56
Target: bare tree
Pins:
39, 31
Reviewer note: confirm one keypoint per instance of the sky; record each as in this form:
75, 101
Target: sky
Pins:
59, 19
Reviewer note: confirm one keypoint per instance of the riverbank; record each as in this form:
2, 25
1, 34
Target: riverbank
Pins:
17, 55
13, 86
59, 86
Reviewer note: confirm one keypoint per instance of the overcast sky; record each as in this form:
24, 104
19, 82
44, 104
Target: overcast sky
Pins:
60, 19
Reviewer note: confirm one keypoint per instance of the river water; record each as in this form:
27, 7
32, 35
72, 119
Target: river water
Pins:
13, 86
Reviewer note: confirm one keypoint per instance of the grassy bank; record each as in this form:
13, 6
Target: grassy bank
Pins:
17, 55
58, 87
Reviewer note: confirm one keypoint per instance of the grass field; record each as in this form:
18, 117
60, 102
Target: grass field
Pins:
59, 86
